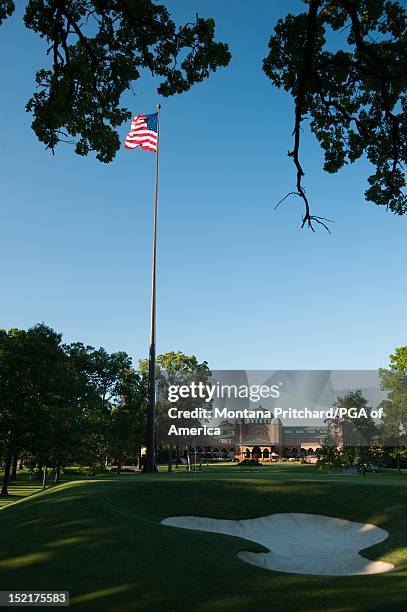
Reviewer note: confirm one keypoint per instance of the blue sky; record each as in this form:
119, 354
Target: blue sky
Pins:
239, 284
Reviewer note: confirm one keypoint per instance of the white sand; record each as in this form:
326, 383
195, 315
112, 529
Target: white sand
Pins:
299, 543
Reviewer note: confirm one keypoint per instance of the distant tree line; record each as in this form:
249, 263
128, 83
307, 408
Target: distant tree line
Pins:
64, 404
73, 405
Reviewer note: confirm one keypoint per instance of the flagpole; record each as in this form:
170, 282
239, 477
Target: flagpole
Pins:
150, 465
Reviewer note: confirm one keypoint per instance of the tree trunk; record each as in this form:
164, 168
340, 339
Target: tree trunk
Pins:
21, 464
13, 475
44, 480
6, 477
40, 473
177, 456
398, 463
170, 458
139, 458
120, 463
188, 460
57, 474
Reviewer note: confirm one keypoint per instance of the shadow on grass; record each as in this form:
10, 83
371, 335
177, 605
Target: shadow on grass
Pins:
103, 542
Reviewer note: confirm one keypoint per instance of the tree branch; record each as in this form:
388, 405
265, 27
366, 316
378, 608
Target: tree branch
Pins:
305, 74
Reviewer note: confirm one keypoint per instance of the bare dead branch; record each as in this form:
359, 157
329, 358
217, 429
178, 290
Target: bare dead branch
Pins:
300, 110
285, 197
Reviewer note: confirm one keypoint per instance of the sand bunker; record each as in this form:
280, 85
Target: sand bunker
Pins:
299, 543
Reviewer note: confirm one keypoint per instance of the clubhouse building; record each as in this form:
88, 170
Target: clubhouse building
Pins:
264, 439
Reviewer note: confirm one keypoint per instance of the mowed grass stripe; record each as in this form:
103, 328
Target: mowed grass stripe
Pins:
19, 491
102, 540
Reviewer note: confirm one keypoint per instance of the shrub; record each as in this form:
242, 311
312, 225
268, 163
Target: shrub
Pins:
250, 462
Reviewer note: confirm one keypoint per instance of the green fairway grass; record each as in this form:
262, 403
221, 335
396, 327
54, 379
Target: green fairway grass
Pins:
19, 489
102, 540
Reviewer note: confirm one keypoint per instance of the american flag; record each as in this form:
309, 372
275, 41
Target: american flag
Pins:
143, 133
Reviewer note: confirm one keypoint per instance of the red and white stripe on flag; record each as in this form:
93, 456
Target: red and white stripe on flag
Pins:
140, 135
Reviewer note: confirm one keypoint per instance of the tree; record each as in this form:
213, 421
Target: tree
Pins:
106, 370
62, 418
110, 376
176, 368
66, 404
394, 421
355, 432
30, 367
128, 417
329, 456
355, 96
398, 361
97, 49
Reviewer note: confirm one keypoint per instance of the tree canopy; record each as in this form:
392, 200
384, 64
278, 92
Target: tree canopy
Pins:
66, 403
177, 368
97, 49
73, 405
394, 421
398, 361
354, 95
